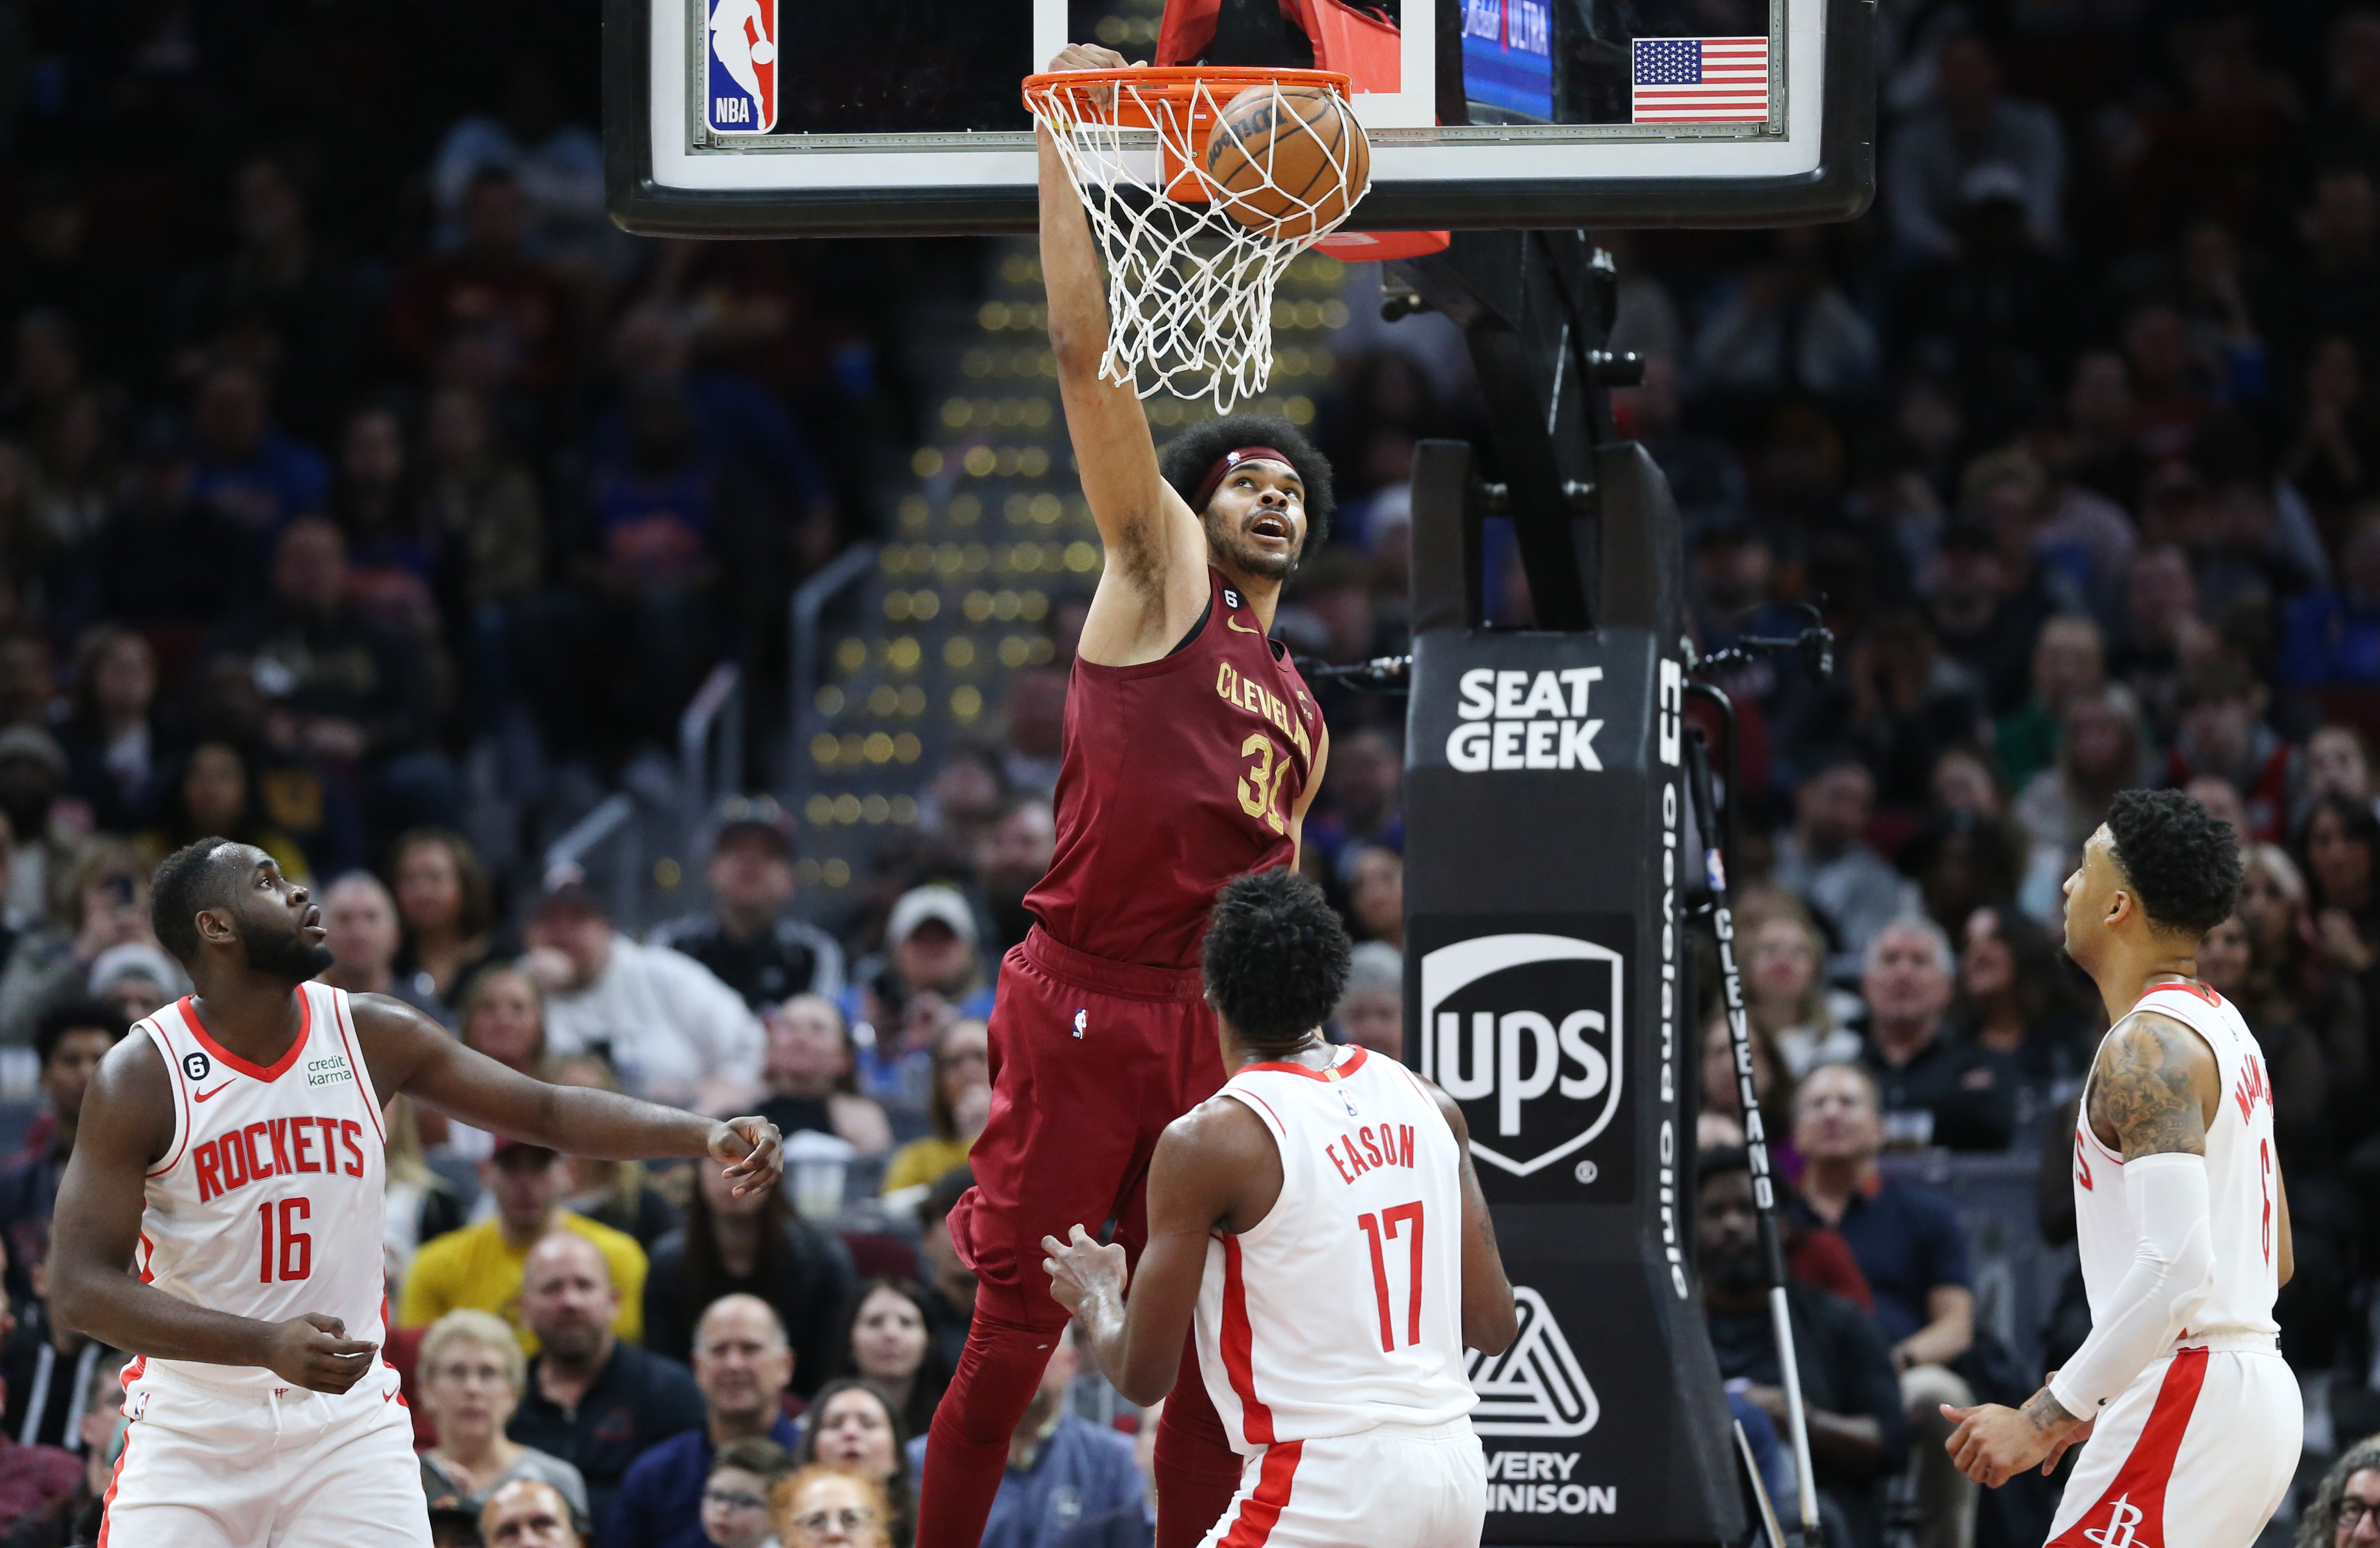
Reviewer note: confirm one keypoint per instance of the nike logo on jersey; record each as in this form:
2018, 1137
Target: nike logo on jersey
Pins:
202, 1096
1237, 627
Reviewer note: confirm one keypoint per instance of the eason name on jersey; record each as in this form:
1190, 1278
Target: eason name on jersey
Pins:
1526, 720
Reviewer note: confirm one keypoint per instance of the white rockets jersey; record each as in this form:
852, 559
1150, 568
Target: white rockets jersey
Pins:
1342, 1308
2241, 1177
269, 1202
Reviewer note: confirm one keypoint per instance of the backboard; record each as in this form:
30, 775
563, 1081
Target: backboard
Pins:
775, 118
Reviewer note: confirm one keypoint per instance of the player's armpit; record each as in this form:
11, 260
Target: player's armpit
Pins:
1305, 798
1489, 1321
2155, 1084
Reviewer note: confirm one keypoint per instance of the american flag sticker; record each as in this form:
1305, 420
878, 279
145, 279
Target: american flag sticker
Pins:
1698, 80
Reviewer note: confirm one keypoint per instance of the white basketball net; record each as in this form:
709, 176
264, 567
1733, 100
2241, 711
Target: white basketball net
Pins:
1189, 287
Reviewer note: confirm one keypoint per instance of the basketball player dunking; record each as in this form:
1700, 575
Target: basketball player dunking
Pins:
1191, 752
221, 1219
1321, 1184
2190, 1421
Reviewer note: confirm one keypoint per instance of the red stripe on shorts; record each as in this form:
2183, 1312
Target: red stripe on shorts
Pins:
1255, 1519
2136, 1499
107, 1505
1239, 1343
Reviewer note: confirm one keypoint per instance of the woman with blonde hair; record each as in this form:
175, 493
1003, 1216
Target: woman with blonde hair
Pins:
826, 1507
1780, 954
471, 1376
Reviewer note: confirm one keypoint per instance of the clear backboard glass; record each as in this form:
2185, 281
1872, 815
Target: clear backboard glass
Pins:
767, 114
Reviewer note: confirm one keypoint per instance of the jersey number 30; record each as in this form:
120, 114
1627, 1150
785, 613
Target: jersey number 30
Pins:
1383, 1226
1259, 787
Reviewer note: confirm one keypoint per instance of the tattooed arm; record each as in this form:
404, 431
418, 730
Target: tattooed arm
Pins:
2151, 1091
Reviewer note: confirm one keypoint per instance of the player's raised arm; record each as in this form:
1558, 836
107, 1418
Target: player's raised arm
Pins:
127, 1123
1155, 583
409, 1052
1212, 1165
1490, 1324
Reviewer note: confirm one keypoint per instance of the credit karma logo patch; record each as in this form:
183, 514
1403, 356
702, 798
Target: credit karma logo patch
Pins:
742, 98
1535, 1388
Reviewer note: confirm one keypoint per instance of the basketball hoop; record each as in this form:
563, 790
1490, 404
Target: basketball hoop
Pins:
1201, 183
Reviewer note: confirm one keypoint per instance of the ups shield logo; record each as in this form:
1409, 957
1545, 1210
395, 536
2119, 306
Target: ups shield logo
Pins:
1527, 1031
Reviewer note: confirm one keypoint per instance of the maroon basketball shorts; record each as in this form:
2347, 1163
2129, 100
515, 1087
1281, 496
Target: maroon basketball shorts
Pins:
1090, 1060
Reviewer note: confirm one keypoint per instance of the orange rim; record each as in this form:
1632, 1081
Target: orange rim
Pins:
1170, 84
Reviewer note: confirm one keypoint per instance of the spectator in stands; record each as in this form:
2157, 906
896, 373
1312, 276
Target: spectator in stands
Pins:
851, 1426
486, 294
70, 1042
811, 1075
743, 1365
2340, 840
1036, 717
35, 1481
672, 1029
362, 697
529, 1513
1371, 1010
2336, 760
947, 1294
108, 906
962, 1104
592, 1398
889, 1344
749, 940
45, 1369
447, 908
1780, 954
736, 1495
966, 795
112, 741
1376, 892
471, 1373
2333, 637
930, 948
1010, 857
1914, 1257
2344, 1510
2223, 734
1719, 1122
2068, 657
1786, 327
1967, 126
1935, 1091
488, 520
558, 166
210, 791
100, 1434
754, 1247
821, 1505
165, 559
359, 921
1825, 860
500, 1015
1858, 1437
1062, 1467
482, 1265
2011, 1001
135, 980
2099, 752
247, 471
40, 852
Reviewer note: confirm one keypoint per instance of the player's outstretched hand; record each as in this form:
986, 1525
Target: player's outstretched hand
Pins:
1087, 56
753, 1151
1082, 1269
314, 1352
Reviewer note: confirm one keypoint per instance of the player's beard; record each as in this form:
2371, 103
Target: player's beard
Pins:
1242, 557
290, 956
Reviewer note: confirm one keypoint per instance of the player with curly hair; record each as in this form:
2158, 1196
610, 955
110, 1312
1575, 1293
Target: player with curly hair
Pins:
1192, 749
2190, 1421
1318, 1176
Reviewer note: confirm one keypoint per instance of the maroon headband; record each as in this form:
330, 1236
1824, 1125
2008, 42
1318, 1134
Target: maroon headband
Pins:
1225, 463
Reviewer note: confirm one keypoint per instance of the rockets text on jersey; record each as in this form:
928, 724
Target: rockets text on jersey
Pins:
2241, 1179
269, 1201
1342, 1308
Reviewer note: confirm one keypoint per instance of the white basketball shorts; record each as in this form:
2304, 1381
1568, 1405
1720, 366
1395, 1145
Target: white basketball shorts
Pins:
2196, 1453
208, 1467
1387, 1487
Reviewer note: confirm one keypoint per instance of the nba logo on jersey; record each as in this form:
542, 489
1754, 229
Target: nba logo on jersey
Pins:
742, 78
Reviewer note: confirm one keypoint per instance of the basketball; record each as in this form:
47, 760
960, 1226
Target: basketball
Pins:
1289, 160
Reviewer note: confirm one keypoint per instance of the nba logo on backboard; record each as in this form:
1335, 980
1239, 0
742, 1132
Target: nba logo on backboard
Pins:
743, 96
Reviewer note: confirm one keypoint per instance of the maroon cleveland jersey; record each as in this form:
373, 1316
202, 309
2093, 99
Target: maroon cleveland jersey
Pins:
1178, 775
